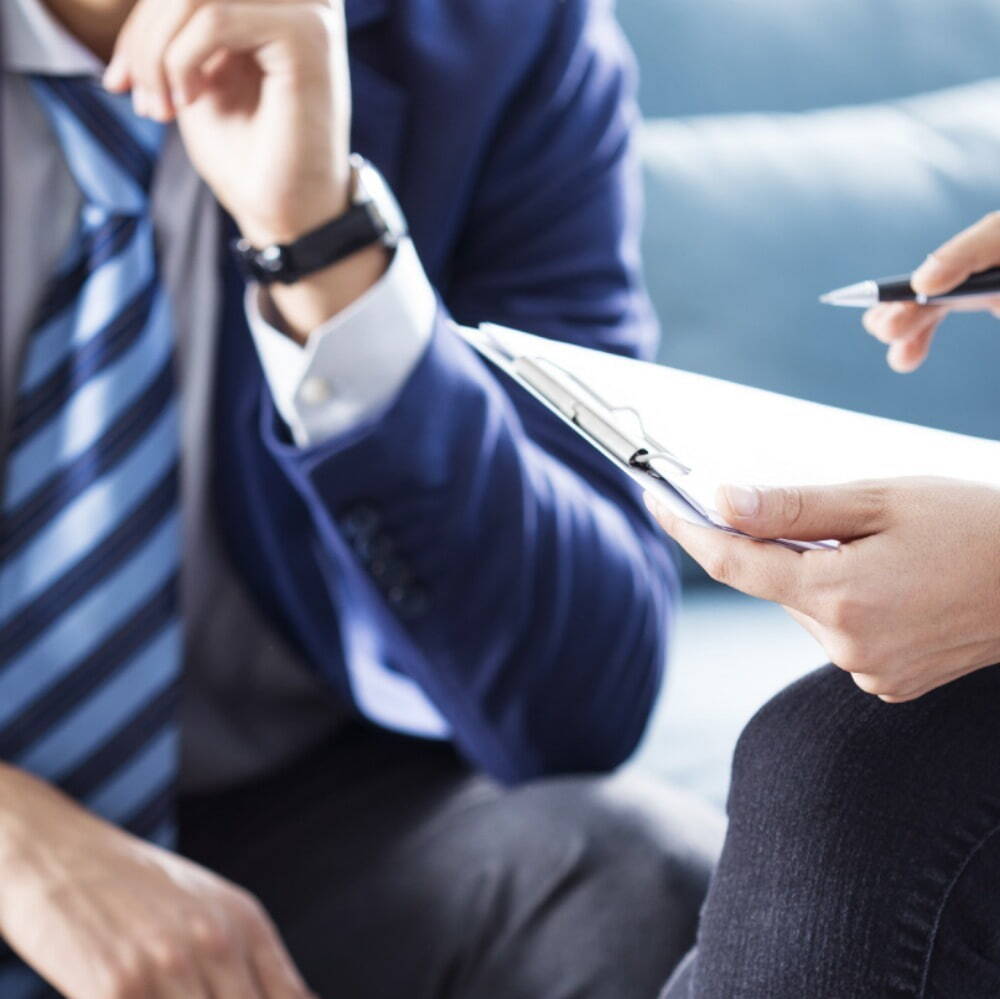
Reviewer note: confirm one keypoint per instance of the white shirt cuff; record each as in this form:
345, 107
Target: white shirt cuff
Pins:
355, 363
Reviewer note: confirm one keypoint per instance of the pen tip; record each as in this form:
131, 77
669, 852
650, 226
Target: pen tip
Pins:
862, 295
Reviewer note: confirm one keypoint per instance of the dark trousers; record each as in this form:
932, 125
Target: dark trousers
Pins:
394, 872
863, 854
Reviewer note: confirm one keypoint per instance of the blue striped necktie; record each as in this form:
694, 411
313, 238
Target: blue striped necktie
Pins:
90, 636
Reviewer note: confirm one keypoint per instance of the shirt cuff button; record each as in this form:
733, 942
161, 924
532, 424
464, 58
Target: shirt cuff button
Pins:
315, 391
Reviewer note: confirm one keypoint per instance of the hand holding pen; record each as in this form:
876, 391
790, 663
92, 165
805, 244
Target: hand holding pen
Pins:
965, 270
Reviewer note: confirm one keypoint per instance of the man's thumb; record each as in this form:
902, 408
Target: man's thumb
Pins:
809, 513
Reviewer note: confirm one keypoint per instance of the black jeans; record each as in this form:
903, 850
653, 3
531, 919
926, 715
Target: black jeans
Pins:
863, 854
392, 872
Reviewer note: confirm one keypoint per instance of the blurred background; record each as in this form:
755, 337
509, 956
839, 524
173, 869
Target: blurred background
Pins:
790, 147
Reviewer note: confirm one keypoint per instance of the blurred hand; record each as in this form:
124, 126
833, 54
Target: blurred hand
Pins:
261, 89
102, 915
909, 328
910, 602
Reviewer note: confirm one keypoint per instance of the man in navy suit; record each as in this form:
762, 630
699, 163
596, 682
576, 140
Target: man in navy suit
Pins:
293, 589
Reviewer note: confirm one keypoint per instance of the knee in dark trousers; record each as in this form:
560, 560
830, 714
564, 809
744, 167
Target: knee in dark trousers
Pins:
576, 887
852, 825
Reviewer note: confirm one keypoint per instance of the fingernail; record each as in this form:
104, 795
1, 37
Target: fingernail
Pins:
930, 270
157, 108
744, 501
113, 75
139, 102
898, 360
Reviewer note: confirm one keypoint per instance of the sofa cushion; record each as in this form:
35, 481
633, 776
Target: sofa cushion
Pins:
751, 217
711, 56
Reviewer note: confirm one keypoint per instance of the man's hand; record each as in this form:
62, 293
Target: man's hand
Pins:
909, 329
910, 602
261, 91
102, 915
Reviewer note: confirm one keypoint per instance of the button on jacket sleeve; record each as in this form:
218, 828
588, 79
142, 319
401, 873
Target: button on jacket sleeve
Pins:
532, 594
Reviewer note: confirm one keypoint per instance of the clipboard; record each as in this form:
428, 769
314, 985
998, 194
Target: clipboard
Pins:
617, 432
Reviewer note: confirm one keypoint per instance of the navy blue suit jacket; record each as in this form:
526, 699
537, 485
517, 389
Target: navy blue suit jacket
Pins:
463, 566
465, 540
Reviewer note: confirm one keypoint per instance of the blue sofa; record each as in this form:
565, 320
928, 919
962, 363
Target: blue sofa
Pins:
764, 176
792, 146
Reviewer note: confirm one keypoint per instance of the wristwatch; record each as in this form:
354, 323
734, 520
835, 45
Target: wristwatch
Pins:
374, 217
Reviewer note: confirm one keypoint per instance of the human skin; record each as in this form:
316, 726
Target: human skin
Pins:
911, 601
261, 93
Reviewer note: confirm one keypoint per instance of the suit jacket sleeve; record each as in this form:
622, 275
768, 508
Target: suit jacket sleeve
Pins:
546, 598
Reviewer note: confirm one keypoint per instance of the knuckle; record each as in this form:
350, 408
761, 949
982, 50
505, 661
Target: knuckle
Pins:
173, 62
126, 977
322, 14
248, 909
212, 937
870, 684
320, 28
792, 504
722, 568
873, 499
121, 988
168, 955
212, 17
312, 20
850, 657
843, 612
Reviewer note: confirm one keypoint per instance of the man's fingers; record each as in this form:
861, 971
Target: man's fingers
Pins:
271, 966
224, 961
766, 571
147, 45
806, 513
266, 29
177, 982
976, 249
140, 59
275, 972
234, 980
118, 75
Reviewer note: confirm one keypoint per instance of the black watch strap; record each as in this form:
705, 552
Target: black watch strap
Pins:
359, 227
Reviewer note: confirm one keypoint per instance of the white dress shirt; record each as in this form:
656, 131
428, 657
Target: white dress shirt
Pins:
248, 703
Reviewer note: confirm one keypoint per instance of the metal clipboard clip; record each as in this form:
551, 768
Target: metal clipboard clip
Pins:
593, 417
600, 422
596, 416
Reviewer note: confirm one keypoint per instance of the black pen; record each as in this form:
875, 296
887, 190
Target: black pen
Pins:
897, 289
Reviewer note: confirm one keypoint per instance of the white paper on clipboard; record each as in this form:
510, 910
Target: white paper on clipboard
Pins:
699, 432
